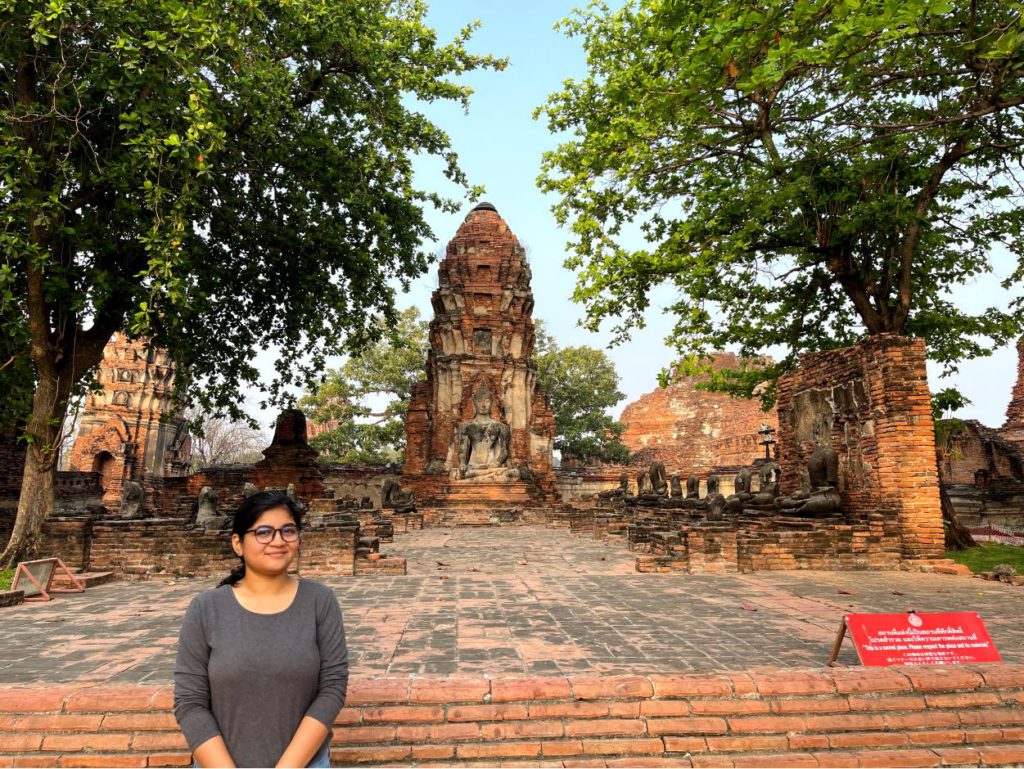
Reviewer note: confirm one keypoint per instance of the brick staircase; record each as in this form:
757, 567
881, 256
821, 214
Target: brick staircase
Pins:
921, 716
370, 561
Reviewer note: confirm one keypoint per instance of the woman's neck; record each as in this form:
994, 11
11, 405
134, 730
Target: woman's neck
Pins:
266, 584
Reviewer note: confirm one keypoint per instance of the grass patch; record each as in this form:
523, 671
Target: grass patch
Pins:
6, 575
986, 557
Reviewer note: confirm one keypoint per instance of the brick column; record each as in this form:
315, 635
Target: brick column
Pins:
905, 432
872, 404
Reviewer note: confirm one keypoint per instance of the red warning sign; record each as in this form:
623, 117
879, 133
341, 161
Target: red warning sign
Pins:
947, 638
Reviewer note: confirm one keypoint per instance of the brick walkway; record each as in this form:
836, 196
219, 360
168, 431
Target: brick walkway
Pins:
515, 601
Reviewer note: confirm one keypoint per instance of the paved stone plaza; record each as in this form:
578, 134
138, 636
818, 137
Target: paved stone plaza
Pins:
511, 602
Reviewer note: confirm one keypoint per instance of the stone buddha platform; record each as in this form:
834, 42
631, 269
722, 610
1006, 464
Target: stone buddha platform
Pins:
471, 493
484, 503
533, 645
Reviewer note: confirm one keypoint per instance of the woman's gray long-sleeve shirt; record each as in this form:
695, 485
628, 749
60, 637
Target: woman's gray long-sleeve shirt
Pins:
253, 677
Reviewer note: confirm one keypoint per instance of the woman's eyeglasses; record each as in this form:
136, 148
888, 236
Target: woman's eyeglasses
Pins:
265, 534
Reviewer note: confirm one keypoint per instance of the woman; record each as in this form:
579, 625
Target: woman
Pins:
262, 664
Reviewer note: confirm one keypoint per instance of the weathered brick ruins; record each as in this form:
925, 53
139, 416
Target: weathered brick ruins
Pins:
479, 429
855, 484
871, 404
696, 430
456, 667
855, 487
180, 527
130, 429
983, 467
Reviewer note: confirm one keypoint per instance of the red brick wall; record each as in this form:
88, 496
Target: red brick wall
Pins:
69, 539
167, 548
871, 403
673, 540
921, 716
693, 430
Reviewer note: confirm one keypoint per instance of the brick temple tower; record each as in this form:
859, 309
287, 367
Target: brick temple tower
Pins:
129, 429
1013, 427
480, 366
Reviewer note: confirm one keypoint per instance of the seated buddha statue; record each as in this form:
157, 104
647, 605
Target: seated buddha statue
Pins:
484, 443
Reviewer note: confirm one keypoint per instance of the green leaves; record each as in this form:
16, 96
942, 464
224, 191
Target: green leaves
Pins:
802, 173
363, 402
223, 178
582, 384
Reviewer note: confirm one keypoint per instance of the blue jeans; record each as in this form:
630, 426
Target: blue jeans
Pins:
321, 760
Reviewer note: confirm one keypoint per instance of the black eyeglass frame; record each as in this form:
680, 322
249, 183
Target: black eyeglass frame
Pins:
275, 532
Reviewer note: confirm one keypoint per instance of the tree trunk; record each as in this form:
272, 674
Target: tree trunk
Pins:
38, 486
957, 535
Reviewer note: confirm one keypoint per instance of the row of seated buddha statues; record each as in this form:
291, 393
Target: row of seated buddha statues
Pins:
655, 490
820, 499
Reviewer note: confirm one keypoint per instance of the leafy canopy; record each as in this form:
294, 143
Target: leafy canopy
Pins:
222, 177
802, 172
365, 400
582, 384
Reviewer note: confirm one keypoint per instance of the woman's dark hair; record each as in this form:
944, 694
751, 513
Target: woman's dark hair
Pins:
249, 512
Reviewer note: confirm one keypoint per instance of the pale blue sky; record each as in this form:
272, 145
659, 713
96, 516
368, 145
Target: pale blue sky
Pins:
500, 145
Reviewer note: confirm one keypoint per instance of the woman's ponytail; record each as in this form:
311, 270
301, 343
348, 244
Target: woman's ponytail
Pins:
235, 575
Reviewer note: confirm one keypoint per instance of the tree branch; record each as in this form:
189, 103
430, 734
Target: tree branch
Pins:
913, 234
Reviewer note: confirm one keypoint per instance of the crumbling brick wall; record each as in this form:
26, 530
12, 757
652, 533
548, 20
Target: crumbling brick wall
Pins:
870, 403
167, 548
692, 430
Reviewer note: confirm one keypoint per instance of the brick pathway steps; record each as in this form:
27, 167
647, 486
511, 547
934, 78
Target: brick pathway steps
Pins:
853, 717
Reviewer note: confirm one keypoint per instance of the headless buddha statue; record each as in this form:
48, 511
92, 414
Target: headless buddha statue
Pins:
823, 498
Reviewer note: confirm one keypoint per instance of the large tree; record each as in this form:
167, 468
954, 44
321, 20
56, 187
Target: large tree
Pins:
364, 401
222, 177
802, 172
582, 384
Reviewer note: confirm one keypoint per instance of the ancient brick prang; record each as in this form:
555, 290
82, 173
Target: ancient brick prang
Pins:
1013, 427
481, 339
871, 404
290, 459
692, 430
131, 428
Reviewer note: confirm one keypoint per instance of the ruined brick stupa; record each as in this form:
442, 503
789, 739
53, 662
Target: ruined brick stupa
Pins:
132, 427
479, 429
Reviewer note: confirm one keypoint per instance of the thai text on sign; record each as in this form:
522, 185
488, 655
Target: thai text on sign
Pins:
936, 638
